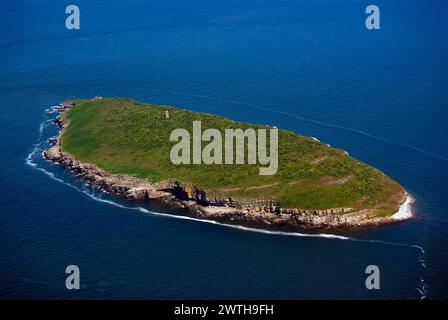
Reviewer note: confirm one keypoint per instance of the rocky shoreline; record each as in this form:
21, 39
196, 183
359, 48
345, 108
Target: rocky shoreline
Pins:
173, 192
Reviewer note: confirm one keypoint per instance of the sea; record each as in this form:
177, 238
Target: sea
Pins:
303, 65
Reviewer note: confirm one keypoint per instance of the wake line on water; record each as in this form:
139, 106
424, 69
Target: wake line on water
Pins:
38, 149
322, 123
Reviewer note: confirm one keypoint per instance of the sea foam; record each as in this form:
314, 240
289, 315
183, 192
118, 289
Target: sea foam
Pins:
405, 211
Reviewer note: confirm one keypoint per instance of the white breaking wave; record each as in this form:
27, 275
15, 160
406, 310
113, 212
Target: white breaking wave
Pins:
405, 211
29, 160
423, 289
51, 109
42, 126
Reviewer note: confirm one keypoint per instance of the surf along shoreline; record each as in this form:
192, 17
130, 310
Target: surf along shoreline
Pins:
183, 195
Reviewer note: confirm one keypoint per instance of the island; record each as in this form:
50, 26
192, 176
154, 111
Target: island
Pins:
122, 147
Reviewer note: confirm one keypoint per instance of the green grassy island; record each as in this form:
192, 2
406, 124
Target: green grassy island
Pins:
123, 146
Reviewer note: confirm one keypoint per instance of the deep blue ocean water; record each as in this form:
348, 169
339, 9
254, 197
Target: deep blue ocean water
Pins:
308, 66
